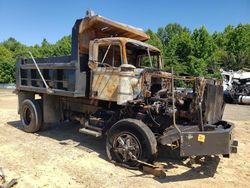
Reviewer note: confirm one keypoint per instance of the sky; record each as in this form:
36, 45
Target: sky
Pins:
29, 21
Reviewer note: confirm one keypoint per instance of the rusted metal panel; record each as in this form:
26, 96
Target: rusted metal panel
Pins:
93, 27
214, 103
105, 83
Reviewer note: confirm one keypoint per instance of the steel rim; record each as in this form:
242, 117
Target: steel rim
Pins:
126, 144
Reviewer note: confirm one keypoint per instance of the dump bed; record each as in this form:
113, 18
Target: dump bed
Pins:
58, 72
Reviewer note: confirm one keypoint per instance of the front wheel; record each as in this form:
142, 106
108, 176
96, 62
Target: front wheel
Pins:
131, 139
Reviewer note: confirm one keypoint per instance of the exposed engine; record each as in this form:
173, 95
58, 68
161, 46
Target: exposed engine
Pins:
154, 105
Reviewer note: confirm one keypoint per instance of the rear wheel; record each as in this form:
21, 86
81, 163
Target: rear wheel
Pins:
31, 115
131, 139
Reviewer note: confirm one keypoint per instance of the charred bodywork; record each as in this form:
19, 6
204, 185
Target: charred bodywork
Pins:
113, 84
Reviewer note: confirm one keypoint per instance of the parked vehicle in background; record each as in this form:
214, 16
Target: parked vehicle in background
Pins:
236, 85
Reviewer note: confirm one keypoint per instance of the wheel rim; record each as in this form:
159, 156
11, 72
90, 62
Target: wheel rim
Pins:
126, 144
27, 115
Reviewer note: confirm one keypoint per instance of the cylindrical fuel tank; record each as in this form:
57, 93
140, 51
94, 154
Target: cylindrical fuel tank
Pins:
244, 99
125, 89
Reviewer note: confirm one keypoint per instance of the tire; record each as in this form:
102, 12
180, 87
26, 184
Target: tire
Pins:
31, 115
137, 136
228, 97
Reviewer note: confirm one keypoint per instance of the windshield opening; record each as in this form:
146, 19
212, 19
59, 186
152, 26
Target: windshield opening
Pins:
109, 55
142, 56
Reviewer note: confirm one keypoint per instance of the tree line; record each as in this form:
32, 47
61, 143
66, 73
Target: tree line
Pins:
11, 49
197, 52
200, 53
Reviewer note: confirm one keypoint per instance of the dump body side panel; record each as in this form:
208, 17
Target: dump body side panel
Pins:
63, 76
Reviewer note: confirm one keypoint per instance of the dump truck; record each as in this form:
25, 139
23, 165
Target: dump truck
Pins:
114, 85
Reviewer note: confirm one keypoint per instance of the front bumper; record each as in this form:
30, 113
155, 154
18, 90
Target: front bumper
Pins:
215, 140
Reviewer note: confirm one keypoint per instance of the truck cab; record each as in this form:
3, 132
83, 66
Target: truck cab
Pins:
115, 65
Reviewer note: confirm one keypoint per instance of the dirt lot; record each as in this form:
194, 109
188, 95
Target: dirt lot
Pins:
62, 157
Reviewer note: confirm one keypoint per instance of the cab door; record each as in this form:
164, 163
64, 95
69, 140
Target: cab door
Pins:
105, 74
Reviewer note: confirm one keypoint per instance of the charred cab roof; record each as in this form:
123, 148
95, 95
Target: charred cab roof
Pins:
124, 40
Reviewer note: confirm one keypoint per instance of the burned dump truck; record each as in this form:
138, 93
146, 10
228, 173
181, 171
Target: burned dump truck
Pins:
114, 85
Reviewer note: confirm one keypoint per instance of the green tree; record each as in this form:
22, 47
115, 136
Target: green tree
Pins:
179, 49
173, 38
5, 54
154, 39
11, 49
237, 47
47, 49
16, 48
6, 65
169, 31
204, 46
196, 66
63, 46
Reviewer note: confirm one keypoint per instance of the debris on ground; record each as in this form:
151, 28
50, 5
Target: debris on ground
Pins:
3, 183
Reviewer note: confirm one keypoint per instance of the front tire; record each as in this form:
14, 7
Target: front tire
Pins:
131, 136
31, 115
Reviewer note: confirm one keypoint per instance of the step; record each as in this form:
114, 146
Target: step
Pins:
92, 127
90, 132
